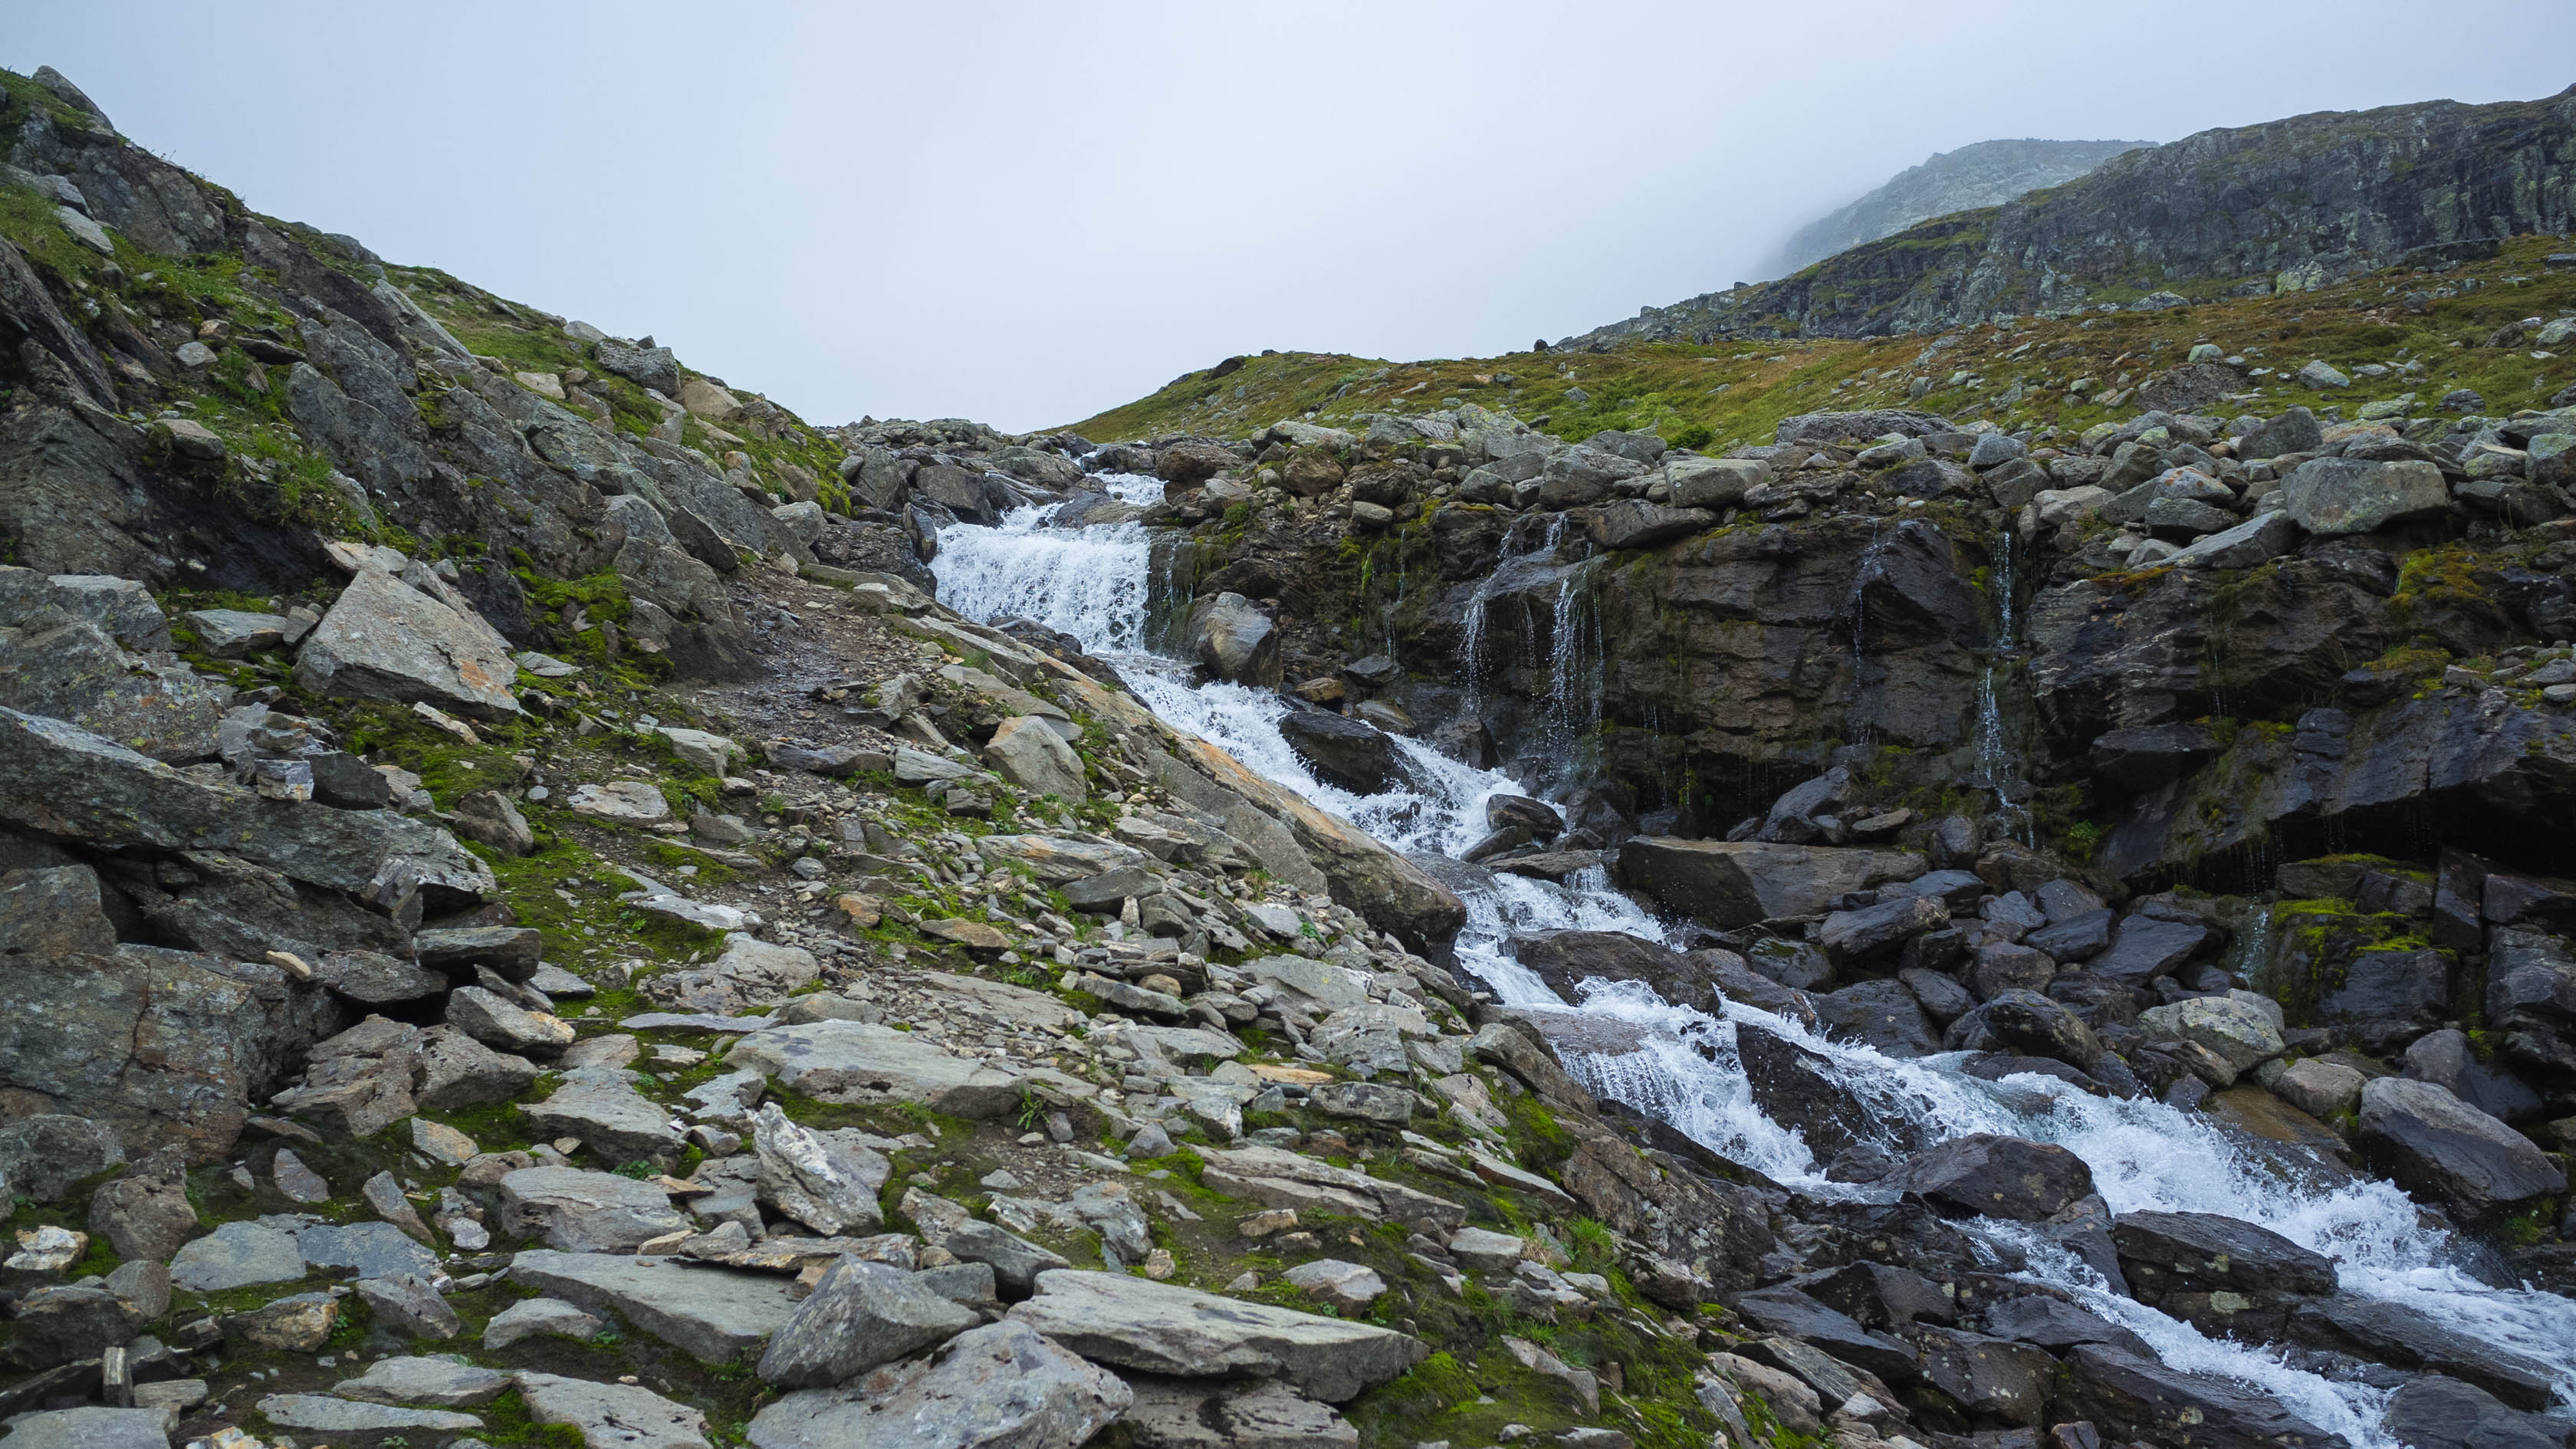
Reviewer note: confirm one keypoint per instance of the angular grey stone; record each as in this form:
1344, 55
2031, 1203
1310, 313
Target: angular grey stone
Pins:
1164, 1328
237, 1255
1737, 883
2144, 948
123, 607
440, 1382
1002, 1386
506, 1026
613, 1416
585, 1212
2109, 1385
324, 1414
1027, 751
1347, 1287
2257, 540
407, 1305
2442, 1149
600, 1106
2403, 1337
90, 1429
865, 1064
1984, 1175
72, 671
1172, 1413
384, 639
532, 1316
42, 1156
296, 1180
750, 973
710, 1312
2337, 496
1016, 1262
2434, 1412
859, 1316
370, 1250
820, 1179
61, 780
233, 633
1234, 641
384, 1194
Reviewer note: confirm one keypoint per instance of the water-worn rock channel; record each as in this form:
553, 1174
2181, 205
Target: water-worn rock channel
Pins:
1693, 1064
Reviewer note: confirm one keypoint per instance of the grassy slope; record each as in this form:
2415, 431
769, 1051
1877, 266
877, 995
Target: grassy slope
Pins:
1738, 391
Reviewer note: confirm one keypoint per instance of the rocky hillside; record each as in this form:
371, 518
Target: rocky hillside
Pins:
525, 923
1988, 173
527, 919
2284, 206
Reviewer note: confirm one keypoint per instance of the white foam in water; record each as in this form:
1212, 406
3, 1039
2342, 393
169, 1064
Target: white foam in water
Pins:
1092, 583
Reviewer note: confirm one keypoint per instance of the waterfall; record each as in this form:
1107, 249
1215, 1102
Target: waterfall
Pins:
1092, 584
1998, 763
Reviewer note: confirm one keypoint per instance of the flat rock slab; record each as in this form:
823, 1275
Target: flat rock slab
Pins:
862, 1063
710, 1312
584, 1212
613, 1416
1002, 1384
237, 1255
1164, 1328
324, 1414
91, 1429
370, 1250
441, 1382
532, 1316
1736, 883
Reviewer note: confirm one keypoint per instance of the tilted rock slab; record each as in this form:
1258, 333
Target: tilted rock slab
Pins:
1164, 1328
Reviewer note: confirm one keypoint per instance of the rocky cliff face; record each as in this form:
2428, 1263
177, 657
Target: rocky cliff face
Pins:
1988, 173
2286, 205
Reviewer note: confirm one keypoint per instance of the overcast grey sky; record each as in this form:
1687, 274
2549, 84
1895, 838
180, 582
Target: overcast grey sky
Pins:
1025, 213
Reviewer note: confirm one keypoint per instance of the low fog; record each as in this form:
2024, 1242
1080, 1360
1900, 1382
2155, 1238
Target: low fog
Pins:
1028, 213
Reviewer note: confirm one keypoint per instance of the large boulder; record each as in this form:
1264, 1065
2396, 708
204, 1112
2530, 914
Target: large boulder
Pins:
1234, 641
1729, 884
859, 1316
72, 670
2223, 1274
2435, 1412
1342, 751
163, 1047
2110, 1385
1027, 751
1883, 1014
2333, 496
2404, 1337
1164, 1328
1563, 959
58, 779
386, 640
1392, 893
1800, 1090
1987, 1175
1004, 1384
710, 1312
2442, 1150
578, 1211
2240, 1032
862, 1063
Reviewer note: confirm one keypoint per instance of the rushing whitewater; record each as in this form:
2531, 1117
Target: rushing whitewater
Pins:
1092, 583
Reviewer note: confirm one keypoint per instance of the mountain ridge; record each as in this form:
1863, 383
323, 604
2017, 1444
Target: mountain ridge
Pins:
2287, 205
1982, 173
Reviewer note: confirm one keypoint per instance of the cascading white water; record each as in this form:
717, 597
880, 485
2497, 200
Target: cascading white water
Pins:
1091, 583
